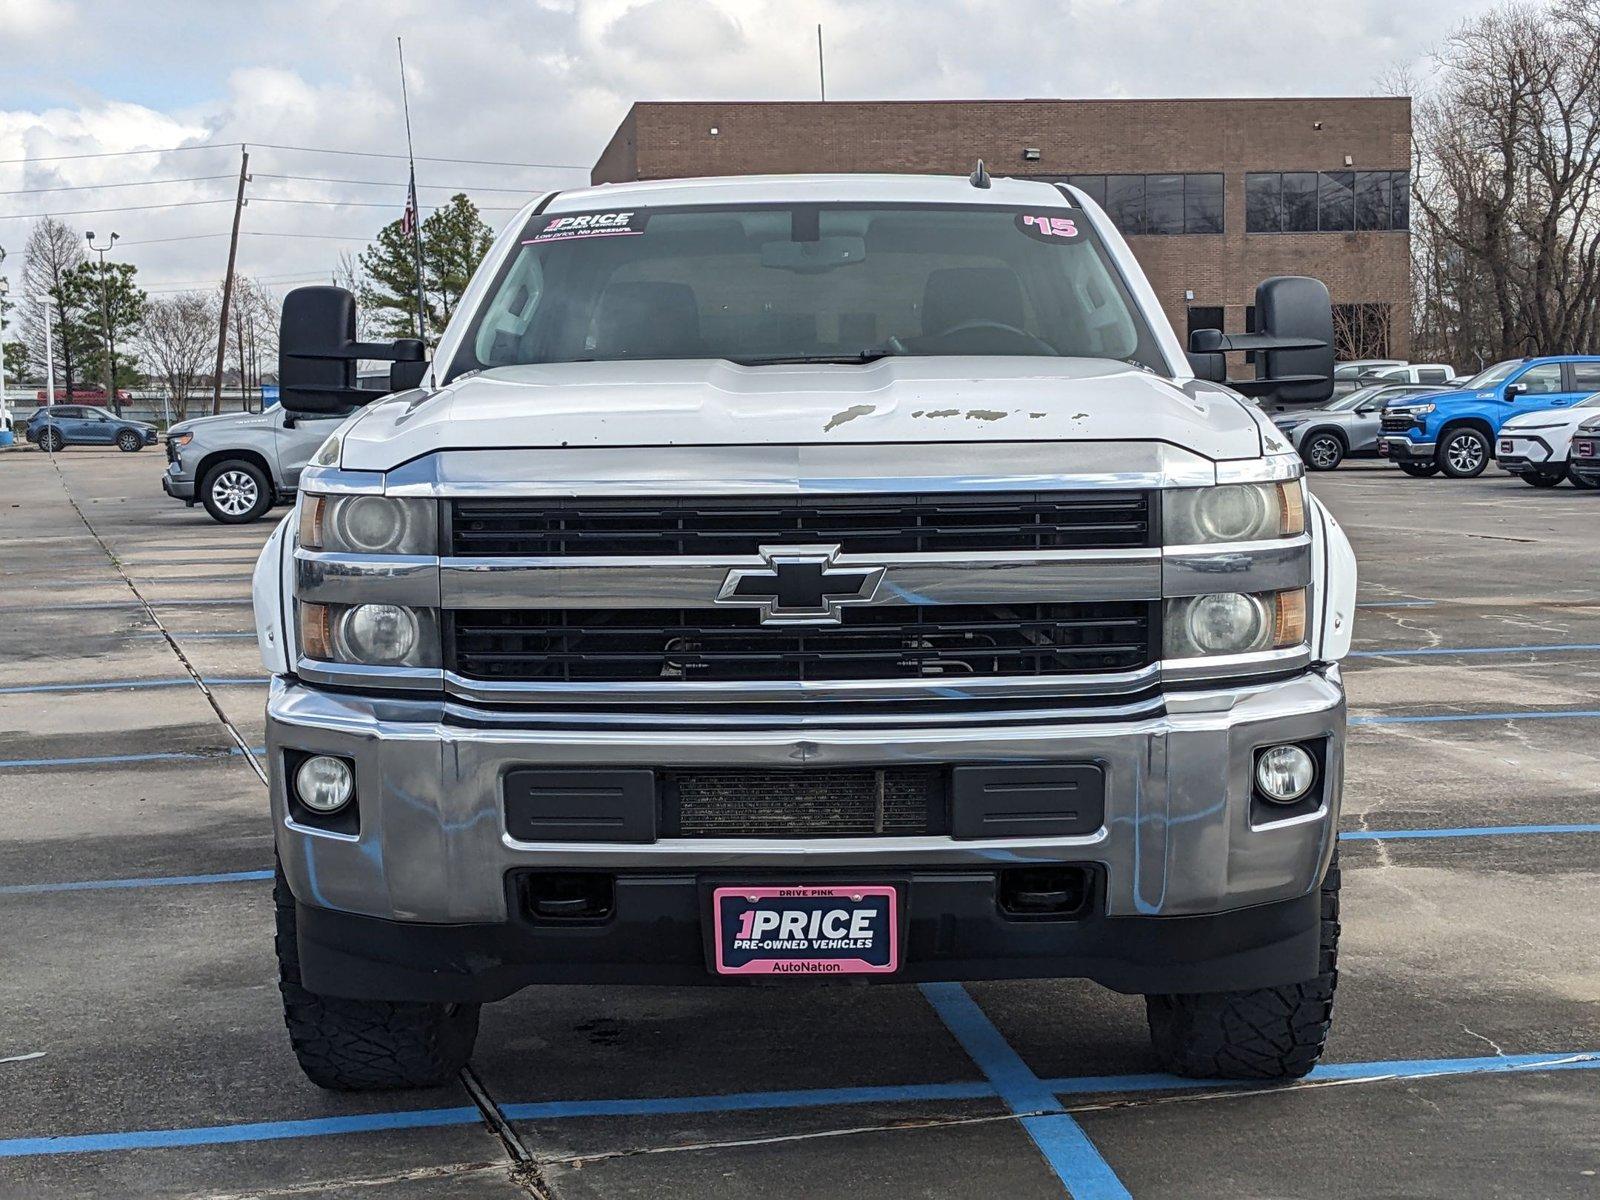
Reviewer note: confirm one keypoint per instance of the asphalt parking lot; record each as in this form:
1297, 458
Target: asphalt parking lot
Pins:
142, 1051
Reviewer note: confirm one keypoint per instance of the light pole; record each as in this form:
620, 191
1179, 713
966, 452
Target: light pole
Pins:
5, 411
105, 321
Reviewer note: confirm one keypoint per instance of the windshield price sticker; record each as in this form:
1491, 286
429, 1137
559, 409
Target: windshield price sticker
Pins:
581, 226
1047, 228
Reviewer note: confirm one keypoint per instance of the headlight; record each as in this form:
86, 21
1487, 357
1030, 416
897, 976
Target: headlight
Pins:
374, 635
368, 525
180, 440
1420, 410
1234, 623
1233, 512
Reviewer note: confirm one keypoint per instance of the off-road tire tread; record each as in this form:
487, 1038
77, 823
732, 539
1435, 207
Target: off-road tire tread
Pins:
1264, 1033
360, 1045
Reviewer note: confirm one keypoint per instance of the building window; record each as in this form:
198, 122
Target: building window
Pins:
1154, 204
1327, 201
1204, 316
1360, 331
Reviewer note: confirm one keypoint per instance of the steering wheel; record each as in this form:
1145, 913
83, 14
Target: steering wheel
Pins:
1038, 344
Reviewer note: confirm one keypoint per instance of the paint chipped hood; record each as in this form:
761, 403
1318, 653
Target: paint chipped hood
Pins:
704, 402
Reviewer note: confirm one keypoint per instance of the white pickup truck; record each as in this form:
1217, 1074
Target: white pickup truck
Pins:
848, 578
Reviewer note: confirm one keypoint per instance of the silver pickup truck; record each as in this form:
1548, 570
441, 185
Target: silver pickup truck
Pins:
238, 465
841, 579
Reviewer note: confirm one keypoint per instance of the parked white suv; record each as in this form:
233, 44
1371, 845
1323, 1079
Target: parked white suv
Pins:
1536, 446
844, 578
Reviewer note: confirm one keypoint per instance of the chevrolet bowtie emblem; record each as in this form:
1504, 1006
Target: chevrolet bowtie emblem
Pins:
800, 585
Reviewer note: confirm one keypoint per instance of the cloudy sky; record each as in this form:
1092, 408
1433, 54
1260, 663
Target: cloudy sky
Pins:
545, 82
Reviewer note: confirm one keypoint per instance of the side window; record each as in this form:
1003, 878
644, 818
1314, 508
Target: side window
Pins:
1541, 380
1586, 376
1433, 375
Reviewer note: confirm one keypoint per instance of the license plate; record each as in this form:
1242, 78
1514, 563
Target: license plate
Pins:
1583, 449
1383, 449
1505, 446
807, 931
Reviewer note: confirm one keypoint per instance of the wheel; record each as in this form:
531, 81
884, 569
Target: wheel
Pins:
1419, 470
1263, 1033
1542, 479
362, 1045
236, 492
1463, 453
1323, 451
1578, 481
129, 441
51, 440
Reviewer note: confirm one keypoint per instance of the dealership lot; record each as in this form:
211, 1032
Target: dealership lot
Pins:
142, 1047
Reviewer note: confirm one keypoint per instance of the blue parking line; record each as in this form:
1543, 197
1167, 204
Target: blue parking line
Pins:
97, 760
1447, 651
1403, 835
431, 1118
98, 885
1452, 718
1072, 1156
131, 685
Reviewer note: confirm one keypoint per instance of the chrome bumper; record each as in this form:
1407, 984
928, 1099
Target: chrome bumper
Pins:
1178, 836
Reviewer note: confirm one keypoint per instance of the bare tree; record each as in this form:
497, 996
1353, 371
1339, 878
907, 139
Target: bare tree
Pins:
1506, 237
177, 341
53, 252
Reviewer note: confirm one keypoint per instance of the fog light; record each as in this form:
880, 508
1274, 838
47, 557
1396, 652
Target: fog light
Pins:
1285, 773
324, 784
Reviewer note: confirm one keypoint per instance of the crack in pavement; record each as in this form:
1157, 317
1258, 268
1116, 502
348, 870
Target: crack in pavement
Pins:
326, 1187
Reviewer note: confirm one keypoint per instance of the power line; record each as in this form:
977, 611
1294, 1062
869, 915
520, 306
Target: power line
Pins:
473, 162
82, 212
90, 187
445, 187
35, 158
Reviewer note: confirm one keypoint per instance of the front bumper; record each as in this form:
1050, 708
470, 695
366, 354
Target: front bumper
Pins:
176, 484
424, 887
1402, 449
1519, 455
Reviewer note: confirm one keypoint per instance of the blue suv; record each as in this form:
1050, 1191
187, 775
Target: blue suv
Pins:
1454, 431
62, 425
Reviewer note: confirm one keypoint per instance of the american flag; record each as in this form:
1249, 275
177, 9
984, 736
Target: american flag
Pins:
408, 222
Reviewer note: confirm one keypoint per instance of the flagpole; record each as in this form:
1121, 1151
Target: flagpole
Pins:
411, 196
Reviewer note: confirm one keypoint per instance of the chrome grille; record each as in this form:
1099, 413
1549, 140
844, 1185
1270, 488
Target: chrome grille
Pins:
953, 642
859, 524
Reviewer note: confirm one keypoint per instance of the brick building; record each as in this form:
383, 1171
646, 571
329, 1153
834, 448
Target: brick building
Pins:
1213, 195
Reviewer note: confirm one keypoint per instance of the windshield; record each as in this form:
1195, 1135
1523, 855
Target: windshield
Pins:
1492, 376
808, 283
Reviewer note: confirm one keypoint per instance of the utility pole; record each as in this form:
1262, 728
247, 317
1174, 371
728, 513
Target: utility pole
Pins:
105, 322
227, 281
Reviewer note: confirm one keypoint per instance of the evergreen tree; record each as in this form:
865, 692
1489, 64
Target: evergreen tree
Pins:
454, 241
101, 304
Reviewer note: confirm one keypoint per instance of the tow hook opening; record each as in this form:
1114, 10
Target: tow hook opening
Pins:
1054, 892
567, 896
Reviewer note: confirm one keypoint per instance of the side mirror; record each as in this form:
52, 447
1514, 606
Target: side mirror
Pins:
1294, 342
1513, 390
1205, 355
318, 351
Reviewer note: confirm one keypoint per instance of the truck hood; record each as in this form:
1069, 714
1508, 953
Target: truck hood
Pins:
704, 402
1551, 418
239, 419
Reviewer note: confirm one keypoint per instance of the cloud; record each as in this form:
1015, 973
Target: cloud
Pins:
548, 83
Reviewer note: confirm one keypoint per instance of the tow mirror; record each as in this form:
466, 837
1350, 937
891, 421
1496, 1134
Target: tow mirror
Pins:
1293, 345
318, 352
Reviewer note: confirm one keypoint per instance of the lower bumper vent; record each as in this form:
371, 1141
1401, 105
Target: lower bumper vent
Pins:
736, 804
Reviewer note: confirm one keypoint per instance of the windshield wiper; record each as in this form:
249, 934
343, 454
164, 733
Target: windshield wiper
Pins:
865, 356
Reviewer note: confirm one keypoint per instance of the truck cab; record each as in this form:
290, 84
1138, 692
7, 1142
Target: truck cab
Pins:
1454, 432
826, 579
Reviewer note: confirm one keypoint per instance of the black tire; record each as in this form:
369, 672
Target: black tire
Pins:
1419, 470
129, 441
1323, 451
1464, 452
1578, 481
51, 440
1264, 1033
1542, 479
236, 492
366, 1045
